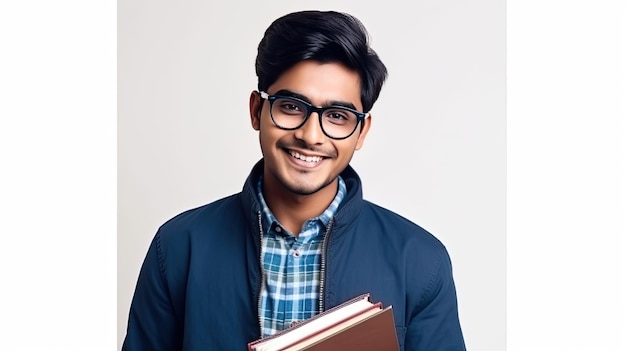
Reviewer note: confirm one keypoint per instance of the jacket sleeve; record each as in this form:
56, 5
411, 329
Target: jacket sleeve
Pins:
152, 321
434, 323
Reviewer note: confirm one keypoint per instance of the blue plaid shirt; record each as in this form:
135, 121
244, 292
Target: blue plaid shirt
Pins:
291, 265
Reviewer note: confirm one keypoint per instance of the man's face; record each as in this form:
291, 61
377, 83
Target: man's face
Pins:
305, 161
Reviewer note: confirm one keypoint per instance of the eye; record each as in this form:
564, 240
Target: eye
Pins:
290, 107
338, 116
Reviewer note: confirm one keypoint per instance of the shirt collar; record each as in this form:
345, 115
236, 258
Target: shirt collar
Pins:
268, 217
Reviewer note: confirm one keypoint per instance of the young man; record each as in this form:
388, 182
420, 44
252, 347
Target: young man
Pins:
299, 238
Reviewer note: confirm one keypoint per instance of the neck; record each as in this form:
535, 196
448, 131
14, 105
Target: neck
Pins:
291, 209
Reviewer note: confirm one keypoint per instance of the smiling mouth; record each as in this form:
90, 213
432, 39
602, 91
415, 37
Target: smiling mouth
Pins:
309, 159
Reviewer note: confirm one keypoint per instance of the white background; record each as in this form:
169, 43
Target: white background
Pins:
436, 151
565, 177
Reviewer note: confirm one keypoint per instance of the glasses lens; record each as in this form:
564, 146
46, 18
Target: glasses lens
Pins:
339, 123
288, 113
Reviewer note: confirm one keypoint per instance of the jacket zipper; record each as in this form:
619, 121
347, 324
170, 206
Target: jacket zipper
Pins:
323, 266
258, 308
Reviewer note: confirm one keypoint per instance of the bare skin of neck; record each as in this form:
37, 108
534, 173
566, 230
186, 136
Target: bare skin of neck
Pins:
292, 210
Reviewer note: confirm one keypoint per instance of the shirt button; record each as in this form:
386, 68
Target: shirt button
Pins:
278, 229
296, 253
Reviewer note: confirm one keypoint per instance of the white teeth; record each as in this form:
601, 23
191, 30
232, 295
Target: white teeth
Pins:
305, 158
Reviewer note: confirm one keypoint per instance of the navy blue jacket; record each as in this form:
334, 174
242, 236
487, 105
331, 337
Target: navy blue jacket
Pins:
199, 285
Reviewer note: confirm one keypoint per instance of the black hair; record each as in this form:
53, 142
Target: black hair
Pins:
326, 37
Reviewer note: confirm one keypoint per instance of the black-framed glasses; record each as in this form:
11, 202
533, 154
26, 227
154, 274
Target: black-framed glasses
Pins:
290, 113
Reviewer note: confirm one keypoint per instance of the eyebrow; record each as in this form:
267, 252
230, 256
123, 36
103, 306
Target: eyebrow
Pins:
289, 93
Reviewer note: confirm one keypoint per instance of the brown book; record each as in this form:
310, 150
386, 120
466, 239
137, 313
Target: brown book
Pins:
357, 324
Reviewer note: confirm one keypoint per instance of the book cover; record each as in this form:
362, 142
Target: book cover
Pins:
357, 324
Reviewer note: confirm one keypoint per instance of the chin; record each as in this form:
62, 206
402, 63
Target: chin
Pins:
303, 189
300, 188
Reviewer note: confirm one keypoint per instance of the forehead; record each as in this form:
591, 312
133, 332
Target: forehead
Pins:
321, 82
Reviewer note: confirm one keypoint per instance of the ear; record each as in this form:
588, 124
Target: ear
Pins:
256, 103
366, 127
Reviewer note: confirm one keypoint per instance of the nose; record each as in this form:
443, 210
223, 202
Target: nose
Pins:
311, 132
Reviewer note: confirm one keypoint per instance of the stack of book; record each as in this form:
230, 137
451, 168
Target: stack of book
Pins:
357, 324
